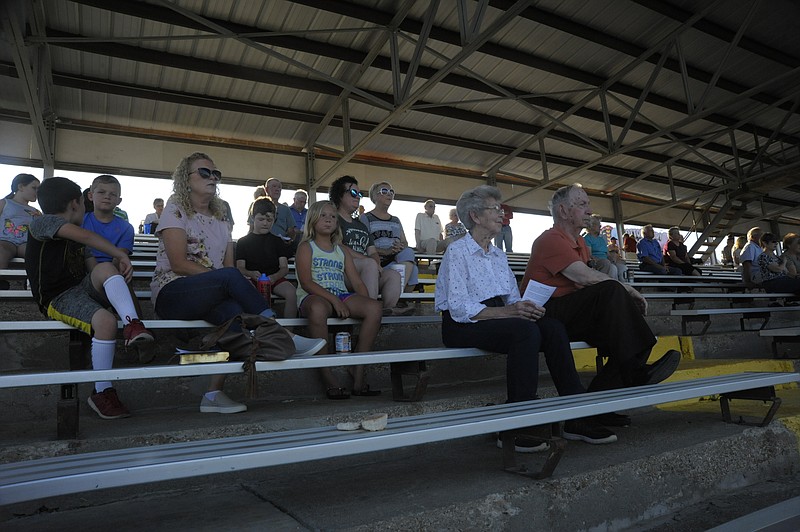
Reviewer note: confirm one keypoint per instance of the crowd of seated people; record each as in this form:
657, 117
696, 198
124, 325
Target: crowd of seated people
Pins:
344, 261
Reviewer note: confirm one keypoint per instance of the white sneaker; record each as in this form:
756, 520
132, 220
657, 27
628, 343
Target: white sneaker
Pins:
222, 404
307, 346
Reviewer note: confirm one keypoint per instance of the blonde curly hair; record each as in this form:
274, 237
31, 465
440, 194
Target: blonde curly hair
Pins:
181, 190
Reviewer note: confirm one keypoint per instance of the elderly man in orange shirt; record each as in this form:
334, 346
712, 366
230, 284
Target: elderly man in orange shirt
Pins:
595, 308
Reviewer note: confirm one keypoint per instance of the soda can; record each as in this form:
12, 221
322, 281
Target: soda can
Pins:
343, 342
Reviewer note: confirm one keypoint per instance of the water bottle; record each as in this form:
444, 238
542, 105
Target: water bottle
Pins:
265, 287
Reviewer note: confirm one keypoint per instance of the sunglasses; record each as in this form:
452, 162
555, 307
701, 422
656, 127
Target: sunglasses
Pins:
386, 192
208, 173
355, 193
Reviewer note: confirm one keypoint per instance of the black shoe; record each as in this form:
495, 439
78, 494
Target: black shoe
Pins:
525, 444
612, 419
661, 369
587, 430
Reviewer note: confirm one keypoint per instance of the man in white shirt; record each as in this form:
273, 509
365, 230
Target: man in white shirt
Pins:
428, 230
152, 218
749, 256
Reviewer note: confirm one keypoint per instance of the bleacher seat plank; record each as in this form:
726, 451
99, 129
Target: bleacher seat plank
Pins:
50, 477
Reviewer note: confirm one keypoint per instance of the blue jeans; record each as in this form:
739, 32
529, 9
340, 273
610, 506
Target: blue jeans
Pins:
660, 270
215, 296
504, 238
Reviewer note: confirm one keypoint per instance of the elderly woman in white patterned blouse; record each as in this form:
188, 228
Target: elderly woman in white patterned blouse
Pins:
478, 297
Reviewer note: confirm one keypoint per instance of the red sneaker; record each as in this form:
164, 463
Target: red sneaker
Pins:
134, 332
107, 404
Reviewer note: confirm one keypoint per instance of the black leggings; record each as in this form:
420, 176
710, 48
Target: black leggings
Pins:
521, 340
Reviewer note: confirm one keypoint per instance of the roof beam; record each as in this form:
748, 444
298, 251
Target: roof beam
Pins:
342, 100
322, 87
499, 23
369, 14
33, 70
166, 16
603, 38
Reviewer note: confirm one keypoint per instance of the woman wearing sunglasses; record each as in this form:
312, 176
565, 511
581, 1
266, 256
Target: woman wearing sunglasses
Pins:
388, 235
195, 277
357, 242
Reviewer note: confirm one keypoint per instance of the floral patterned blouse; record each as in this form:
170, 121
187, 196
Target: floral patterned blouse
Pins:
207, 239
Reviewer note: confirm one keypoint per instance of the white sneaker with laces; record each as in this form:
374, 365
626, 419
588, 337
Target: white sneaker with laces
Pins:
222, 404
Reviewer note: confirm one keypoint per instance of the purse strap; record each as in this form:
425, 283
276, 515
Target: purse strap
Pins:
211, 339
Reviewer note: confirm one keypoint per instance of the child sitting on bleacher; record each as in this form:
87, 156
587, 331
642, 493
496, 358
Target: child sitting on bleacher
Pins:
69, 285
321, 267
261, 252
105, 195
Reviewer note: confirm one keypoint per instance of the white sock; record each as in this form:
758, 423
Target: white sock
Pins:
120, 297
212, 395
103, 358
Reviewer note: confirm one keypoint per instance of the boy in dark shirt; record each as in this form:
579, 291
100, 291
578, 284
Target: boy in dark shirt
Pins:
263, 252
70, 286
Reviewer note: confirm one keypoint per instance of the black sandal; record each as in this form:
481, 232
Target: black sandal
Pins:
366, 392
336, 394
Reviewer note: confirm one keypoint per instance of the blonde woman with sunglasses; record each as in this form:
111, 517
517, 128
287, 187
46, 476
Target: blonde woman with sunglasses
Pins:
388, 235
195, 276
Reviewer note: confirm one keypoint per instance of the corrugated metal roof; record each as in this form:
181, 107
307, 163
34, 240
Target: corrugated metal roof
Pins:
290, 60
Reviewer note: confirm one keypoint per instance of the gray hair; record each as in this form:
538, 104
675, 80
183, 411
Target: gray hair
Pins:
596, 219
474, 201
645, 228
562, 195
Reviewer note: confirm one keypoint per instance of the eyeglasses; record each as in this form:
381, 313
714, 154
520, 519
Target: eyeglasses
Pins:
386, 191
496, 208
355, 193
208, 173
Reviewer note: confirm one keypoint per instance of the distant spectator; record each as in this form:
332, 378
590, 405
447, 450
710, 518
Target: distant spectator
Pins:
428, 230
259, 192
17, 216
504, 241
87, 203
772, 269
105, 194
676, 254
727, 251
602, 259
284, 225
261, 252
298, 209
736, 252
629, 246
455, 230
751, 276
388, 235
228, 214
651, 258
152, 218
357, 242
598, 248
119, 213
78, 291
791, 252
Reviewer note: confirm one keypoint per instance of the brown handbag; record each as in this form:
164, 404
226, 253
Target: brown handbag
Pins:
260, 339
